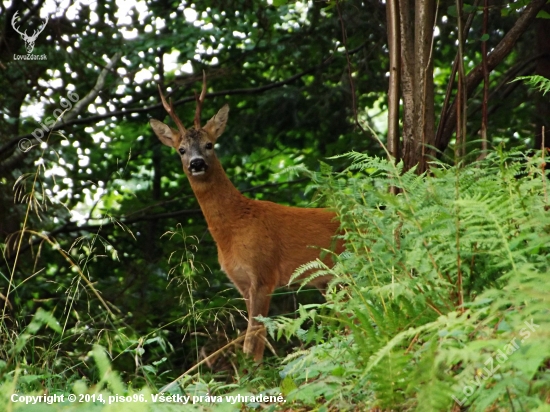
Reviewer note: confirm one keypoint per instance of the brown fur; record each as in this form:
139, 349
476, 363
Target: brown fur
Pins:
260, 243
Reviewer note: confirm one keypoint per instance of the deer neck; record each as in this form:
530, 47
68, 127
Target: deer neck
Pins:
219, 199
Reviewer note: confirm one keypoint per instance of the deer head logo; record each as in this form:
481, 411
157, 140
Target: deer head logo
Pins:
29, 40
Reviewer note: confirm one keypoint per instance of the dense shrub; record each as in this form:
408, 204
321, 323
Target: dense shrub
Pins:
446, 296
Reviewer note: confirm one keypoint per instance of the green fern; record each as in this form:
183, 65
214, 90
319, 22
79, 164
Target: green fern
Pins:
537, 82
438, 279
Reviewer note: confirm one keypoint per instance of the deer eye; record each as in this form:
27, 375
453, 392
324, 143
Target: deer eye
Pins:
182, 151
209, 146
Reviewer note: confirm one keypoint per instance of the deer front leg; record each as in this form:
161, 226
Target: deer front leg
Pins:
258, 305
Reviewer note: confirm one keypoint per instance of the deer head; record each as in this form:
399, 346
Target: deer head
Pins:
195, 145
29, 40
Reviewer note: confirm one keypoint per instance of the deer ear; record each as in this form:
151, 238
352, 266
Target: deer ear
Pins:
216, 125
165, 133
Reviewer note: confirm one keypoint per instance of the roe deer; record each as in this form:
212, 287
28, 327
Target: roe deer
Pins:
259, 243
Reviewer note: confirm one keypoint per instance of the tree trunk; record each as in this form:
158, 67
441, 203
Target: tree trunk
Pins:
417, 80
395, 78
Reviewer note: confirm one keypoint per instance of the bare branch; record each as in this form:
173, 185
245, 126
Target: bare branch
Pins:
392, 14
90, 97
453, 74
474, 78
9, 145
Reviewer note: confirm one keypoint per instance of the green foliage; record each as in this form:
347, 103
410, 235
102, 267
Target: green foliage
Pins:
113, 245
105, 191
446, 289
441, 299
536, 82
106, 391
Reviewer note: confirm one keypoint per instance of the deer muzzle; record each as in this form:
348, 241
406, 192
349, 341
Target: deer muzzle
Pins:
197, 166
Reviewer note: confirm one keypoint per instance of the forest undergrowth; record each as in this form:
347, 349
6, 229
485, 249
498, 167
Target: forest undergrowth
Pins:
441, 302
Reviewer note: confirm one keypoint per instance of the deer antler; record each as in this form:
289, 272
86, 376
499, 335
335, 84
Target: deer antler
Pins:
40, 29
24, 34
14, 18
170, 109
200, 100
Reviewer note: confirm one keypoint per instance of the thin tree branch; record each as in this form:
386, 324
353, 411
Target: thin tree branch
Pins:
9, 145
100, 83
485, 103
392, 14
15, 159
451, 82
474, 78
501, 91
350, 76
461, 99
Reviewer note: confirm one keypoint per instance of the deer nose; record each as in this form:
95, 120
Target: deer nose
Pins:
197, 165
